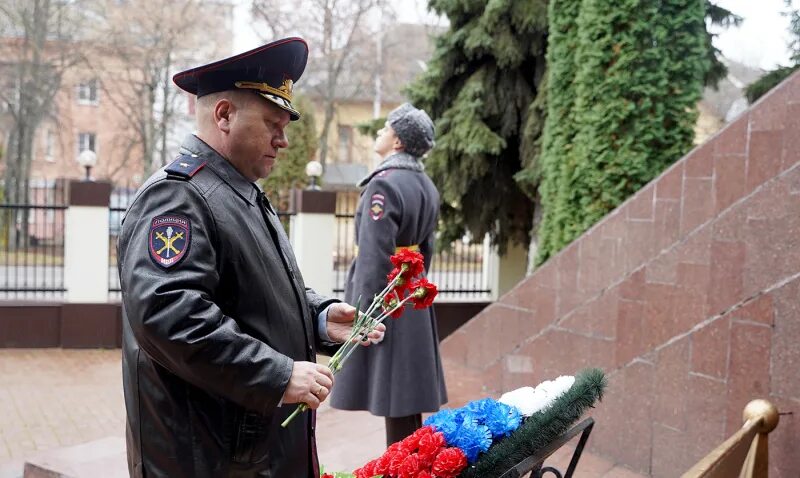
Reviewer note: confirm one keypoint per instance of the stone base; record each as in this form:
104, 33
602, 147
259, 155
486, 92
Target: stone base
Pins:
105, 458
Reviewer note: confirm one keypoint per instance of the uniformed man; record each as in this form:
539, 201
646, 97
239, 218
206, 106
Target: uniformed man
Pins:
402, 377
220, 332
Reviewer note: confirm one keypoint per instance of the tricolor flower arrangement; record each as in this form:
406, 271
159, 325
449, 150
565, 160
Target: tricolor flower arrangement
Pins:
487, 436
405, 286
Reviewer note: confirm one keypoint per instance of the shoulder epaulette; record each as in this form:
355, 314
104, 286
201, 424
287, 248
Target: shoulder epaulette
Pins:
185, 166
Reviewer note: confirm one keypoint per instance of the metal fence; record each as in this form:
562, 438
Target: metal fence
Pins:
32, 257
121, 198
458, 271
32, 244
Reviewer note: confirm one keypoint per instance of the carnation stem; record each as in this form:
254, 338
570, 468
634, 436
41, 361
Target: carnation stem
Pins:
300, 409
363, 324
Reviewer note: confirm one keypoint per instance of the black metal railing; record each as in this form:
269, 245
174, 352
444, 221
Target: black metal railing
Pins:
32, 243
121, 198
535, 465
458, 271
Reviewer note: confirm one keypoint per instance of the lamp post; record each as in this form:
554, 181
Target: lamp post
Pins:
87, 159
314, 171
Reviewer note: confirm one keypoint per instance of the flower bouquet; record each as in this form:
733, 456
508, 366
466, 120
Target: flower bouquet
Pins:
487, 437
404, 286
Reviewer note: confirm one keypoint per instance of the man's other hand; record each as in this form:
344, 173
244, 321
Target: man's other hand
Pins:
310, 383
340, 324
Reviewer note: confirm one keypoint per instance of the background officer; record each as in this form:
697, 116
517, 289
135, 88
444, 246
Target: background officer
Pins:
399, 206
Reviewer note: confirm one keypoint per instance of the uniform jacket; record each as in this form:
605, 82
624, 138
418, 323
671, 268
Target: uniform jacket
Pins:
402, 375
209, 342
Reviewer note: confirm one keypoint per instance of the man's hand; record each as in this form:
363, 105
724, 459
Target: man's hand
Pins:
310, 383
340, 323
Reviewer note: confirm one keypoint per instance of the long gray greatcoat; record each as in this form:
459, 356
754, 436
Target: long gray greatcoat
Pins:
402, 375
211, 334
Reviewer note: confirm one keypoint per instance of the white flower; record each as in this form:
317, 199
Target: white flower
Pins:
530, 400
523, 399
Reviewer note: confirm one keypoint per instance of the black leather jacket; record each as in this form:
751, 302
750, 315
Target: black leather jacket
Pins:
215, 313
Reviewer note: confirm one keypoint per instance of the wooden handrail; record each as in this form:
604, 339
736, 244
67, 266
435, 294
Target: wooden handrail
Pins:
745, 454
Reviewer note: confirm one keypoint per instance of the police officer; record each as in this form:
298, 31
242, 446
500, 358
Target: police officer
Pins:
220, 332
401, 377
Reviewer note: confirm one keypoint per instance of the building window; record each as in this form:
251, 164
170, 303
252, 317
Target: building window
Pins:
345, 144
49, 146
87, 141
87, 93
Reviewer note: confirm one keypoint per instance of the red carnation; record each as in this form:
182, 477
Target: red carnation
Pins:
389, 303
414, 439
449, 463
424, 474
396, 461
402, 283
381, 466
430, 444
366, 471
326, 475
410, 466
413, 260
424, 293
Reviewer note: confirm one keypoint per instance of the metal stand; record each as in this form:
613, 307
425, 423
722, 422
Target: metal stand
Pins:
533, 464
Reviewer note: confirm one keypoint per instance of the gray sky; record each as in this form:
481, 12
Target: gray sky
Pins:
759, 42
761, 39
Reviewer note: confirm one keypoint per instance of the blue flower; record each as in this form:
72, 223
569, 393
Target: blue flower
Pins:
472, 438
502, 419
446, 421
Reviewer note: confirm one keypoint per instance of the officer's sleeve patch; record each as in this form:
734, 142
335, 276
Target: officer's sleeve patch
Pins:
376, 206
168, 240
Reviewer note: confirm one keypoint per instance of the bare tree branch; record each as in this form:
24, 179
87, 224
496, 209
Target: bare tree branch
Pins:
335, 29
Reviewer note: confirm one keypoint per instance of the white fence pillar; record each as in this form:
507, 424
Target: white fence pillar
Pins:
312, 233
86, 242
502, 273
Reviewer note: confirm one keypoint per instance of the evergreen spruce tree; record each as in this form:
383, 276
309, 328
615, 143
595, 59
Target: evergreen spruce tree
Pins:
290, 170
639, 70
481, 88
560, 128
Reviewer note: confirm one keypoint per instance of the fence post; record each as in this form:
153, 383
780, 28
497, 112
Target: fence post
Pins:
312, 233
86, 242
502, 273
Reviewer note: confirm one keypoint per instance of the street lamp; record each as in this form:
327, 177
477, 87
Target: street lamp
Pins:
314, 171
87, 159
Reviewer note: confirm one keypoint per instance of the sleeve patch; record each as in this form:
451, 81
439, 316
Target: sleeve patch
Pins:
168, 240
376, 207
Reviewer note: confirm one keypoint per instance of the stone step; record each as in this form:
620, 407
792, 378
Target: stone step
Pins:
12, 470
104, 458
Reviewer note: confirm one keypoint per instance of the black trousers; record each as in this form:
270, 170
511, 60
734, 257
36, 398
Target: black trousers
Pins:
398, 428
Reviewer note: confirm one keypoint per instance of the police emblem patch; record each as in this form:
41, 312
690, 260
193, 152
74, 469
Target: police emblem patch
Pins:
376, 206
169, 239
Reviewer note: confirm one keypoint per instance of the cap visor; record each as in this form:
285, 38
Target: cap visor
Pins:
294, 115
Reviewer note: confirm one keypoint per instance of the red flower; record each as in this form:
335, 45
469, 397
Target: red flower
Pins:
326, 475
402, 283
390, 301
414, 439
410, 466
424, 474
424, 293
396, 461
413, 260
449, 463
431, 444
381, 465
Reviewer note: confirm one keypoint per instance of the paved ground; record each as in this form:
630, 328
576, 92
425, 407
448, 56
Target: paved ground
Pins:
53, 398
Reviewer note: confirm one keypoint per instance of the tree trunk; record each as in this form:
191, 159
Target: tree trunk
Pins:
327, 50
166, 109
